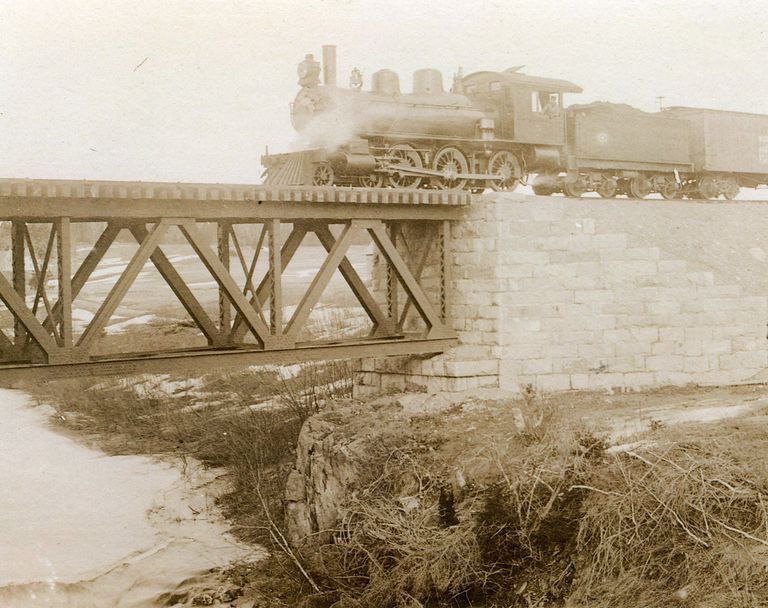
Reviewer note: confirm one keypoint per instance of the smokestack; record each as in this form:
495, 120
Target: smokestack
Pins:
329, 65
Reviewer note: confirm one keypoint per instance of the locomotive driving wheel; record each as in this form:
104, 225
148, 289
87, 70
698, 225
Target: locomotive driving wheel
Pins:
506, 165
323, 175
450, 162
407, 156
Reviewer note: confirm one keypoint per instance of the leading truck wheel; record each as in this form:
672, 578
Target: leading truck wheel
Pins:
323, 175
506, 165
406, 156
450, 162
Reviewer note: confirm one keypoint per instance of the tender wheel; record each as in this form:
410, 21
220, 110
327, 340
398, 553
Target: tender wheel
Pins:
708, 187
407, 156
575, 188
507, 165
323, 175
374, 180
640, 187
731, 189
450, 162
608, 188
670, 190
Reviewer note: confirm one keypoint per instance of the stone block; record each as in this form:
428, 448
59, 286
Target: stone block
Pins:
611, 241
679, 266
553, 382
472, 368
744, 360
537, 366
716, 347
665, 348
593, 295
664, 363
635, 380
663, 307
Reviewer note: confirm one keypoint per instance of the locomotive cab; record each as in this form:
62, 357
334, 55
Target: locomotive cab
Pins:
529, 108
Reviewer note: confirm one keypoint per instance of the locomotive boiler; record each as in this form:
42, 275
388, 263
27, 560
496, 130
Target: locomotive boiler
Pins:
494, 129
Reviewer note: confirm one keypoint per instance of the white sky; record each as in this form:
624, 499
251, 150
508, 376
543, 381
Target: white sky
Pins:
219, 75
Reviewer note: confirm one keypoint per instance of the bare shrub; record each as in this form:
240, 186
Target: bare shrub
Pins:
687, 519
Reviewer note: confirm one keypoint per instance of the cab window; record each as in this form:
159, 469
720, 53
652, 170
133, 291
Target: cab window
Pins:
545, 102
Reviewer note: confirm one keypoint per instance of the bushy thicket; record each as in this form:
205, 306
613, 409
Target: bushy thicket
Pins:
565, 522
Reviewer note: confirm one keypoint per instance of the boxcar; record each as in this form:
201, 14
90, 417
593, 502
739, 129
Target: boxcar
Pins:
727, 142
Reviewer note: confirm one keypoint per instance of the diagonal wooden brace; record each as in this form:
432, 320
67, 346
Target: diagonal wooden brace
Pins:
181, 291
409, 283
337, 253
287, 252
24, 317
84, 272
118, 291
229, 287
382, 324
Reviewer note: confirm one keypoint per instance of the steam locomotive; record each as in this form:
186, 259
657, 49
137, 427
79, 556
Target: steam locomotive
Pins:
497, 129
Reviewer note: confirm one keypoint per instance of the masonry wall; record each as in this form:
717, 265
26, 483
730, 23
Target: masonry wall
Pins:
561, 294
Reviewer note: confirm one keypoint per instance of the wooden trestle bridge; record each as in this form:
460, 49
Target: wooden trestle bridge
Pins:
43, 275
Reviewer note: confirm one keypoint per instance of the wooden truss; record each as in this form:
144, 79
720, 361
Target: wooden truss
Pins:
249, 324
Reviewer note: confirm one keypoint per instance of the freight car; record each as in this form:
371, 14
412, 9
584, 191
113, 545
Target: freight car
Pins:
494, 129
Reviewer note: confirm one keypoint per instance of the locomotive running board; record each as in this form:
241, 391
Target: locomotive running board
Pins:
421, 172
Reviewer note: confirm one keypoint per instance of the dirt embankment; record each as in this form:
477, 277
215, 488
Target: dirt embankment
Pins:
577, 500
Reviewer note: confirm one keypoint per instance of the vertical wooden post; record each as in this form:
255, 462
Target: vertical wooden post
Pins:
225, 308
393, 306
64, 251
18, 264
276, 277
444, 243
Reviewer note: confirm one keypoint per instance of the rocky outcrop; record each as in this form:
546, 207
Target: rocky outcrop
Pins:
342, 449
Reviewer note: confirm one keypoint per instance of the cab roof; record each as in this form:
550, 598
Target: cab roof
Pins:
514, 78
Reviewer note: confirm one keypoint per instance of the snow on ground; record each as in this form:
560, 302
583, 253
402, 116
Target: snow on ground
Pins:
121, 326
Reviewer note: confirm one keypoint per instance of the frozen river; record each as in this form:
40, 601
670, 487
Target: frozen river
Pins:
80, 528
